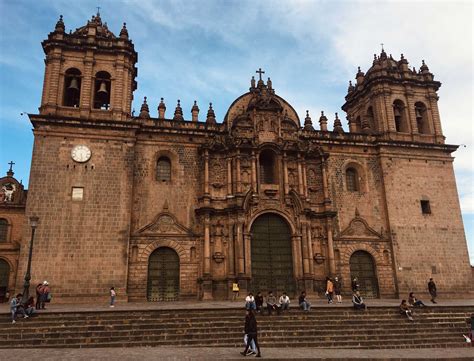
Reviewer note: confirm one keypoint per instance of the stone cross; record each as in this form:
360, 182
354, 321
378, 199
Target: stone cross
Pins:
11, 166
260, 72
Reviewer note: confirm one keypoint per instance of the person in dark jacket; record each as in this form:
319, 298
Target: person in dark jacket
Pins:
432, 290
250, 330
259, 301
337, 289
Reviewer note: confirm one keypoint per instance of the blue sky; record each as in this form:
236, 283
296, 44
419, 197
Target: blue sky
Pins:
208, 50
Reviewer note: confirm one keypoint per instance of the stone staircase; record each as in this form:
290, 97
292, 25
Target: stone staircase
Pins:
328, 327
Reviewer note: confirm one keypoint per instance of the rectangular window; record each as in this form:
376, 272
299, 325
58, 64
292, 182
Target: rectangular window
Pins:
77, 193
425, 207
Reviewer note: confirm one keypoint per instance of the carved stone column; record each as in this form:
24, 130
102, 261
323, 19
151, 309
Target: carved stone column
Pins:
304, 247
325, 181
240, 250
206, 172
285, 174
297, 256
305, 180
238, 175
207, 283
332, 263
254, 172
310, 249
300, 177
229, 176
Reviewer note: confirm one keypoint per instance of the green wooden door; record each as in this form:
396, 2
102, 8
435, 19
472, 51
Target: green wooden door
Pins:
362, 267
4, 276
163, 275
271, 255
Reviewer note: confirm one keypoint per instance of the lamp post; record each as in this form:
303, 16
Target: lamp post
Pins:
26, 285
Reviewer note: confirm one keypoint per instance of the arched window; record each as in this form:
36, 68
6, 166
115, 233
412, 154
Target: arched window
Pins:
102, 90
163, 170
72, 88
370, 118
267, 167
352, 180
401, 124
422, 118
3, 230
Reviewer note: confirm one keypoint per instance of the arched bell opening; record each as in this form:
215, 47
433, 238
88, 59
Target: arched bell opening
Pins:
102, 90
72, 88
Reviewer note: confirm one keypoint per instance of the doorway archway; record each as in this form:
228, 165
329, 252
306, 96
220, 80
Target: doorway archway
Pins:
4, 277
271, 255
163, 275
363, 267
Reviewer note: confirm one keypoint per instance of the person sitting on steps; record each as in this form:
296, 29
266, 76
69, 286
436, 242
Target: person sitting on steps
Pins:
259, 302
303, 302
358, 302
406, 310
284, 302
412, 301
250, 302
272, 303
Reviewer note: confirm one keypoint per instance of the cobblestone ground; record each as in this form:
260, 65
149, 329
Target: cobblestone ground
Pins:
192, 353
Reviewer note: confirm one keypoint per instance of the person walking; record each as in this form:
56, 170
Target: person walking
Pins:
337, 289
355, 285
329, 289
113, 294
250, 330
432, 290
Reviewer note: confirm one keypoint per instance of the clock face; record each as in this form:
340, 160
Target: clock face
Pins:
81, 153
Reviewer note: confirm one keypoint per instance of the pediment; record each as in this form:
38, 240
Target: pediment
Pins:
359, 229
165, 224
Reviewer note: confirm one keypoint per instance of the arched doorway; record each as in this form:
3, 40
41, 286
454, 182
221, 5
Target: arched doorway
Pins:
4, 277
363, 267
163, 275
271, 255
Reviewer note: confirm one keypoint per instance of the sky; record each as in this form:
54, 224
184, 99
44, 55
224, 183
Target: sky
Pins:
208, 50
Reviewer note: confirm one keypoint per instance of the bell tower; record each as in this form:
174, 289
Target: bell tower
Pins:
395, 102
90, 73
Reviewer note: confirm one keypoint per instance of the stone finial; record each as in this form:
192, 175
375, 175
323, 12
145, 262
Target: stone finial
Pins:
124, 32
308, 124
161, 109
60, 25
211, 116
144, 110
359, 76
252, 83
338, 125
195, 112
424, 68
351, 87
323, 122
269, 84
178, 112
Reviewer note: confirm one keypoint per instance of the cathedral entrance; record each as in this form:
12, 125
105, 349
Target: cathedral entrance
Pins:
163, 275
363, 267
271, 255
4, 276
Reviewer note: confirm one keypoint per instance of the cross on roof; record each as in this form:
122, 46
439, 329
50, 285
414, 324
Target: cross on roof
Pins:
382, 45
98, 10
11, 165
260, 72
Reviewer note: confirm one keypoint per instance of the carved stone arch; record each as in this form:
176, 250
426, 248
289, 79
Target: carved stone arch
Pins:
349, 251
148, 250
296, 200
10, 264
278, 212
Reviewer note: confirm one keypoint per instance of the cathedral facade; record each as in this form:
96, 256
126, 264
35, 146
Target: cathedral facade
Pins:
162, 207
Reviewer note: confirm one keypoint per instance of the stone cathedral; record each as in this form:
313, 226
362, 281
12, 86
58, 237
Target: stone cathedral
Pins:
163, 207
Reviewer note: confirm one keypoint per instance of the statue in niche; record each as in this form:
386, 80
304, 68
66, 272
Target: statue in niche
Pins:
8, 189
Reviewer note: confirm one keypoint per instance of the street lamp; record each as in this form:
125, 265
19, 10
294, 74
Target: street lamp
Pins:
26, 286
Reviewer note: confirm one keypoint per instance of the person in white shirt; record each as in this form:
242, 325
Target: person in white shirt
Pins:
284, 302
250, 302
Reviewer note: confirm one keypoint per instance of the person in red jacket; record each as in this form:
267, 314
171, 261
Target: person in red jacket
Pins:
250, 330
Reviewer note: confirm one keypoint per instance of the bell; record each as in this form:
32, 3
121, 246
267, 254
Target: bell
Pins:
418, 112
74, 85
102, 88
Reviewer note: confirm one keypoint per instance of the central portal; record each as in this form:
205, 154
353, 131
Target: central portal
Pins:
271, 255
